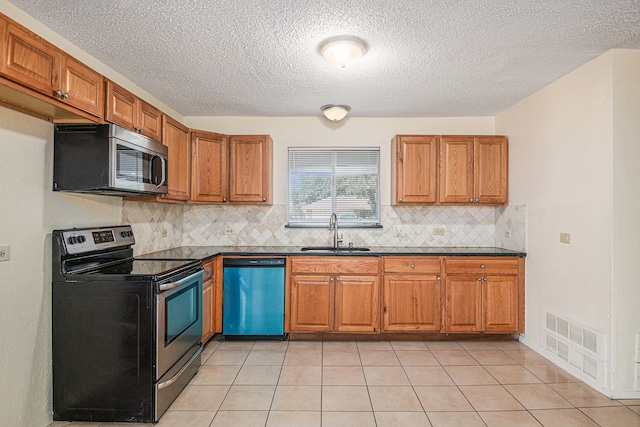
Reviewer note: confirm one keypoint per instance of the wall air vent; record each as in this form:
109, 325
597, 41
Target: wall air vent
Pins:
578, 349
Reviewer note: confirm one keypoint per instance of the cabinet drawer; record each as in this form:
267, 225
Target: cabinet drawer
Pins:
473, 265
418, 264
335, 265
208, 270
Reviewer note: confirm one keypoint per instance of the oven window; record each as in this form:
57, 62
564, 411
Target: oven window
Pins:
181, 312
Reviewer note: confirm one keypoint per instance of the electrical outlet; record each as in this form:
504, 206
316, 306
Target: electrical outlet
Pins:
438, 231
229, 231
5, 252
507, 234
398, 232
565, 237
164, 232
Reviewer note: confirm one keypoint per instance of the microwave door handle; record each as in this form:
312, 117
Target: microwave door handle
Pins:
164, 169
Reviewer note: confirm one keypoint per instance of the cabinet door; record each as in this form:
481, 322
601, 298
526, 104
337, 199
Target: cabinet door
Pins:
207, 307
121, 106
500, 304
456, 169
411, 303
30, 60
311, 303
176, 138
491, 170
209, 176
148, 120
463, 310
415, 169
357, 305
250, 169
82, 87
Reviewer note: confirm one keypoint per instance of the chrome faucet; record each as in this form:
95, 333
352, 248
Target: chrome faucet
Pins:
333, 225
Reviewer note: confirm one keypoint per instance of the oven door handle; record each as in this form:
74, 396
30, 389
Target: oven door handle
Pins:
176, 376
172, 285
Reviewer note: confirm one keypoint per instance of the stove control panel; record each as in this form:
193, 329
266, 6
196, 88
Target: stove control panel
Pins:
77, 241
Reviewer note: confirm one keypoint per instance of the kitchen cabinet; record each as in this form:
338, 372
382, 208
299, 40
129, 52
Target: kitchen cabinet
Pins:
411, 294
209, 175
176, 138
127, 110
250, 169
484, 294
39, 66
414, 171
208, 301
333, 294
473, 170
231, 169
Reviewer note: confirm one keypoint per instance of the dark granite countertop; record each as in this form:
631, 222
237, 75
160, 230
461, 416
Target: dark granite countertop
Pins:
205, 252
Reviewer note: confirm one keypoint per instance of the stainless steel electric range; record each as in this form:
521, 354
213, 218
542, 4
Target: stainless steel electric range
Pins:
126, 332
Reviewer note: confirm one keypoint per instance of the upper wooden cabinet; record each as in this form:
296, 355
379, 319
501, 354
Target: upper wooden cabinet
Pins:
209, 160
414, 169
473, 170
230, 169
176, 138
250, 169
37, 65
127, 110
449, 170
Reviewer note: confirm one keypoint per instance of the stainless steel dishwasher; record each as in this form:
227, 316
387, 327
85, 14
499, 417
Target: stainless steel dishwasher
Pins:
253, 298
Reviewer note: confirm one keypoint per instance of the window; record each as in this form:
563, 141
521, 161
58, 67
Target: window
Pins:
341, 180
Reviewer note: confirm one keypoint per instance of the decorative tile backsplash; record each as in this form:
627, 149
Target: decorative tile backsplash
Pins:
233, 225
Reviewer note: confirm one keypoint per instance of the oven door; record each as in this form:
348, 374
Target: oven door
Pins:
179, 320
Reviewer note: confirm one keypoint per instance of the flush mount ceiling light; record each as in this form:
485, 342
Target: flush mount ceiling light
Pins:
335, 113
342, 51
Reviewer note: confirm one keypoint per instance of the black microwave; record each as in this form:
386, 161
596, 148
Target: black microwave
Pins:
108, 159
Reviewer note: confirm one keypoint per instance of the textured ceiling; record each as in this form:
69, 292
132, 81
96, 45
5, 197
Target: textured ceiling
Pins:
426, 58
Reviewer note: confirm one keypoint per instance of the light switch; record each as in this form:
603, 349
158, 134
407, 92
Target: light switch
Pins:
565, 237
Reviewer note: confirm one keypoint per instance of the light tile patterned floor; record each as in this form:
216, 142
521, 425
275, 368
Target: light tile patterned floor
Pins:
386, 384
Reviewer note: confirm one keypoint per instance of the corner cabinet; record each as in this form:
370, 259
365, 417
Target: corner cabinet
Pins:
127, 110
414, 171
411, 294
334, 294
473, 170
484, 294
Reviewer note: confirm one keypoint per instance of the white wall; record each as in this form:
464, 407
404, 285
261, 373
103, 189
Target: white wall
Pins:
626, 216
561, 168
30, 211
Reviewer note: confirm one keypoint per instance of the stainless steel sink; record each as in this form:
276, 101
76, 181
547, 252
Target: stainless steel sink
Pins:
332, 249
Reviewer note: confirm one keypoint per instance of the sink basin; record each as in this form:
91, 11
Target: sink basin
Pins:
332, 249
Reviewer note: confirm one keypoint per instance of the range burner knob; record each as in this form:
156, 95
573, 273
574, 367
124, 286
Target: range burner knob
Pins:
72, 240
82, 239
123, 234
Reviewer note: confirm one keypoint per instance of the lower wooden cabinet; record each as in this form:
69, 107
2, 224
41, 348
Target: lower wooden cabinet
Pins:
411, 294
208, 301
334, 294
484, 294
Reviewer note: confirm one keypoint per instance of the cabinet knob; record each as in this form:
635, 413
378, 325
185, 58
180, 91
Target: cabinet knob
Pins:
337, 279
224, 199
264, 199
400, 199
66, 95
331, 279
485, 279
479, 279
413, 266
59, 93
140, 130
438, 278
477, 200
471, 199
482, 265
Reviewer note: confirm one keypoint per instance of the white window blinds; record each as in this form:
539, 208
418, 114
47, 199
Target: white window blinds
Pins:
341, 180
